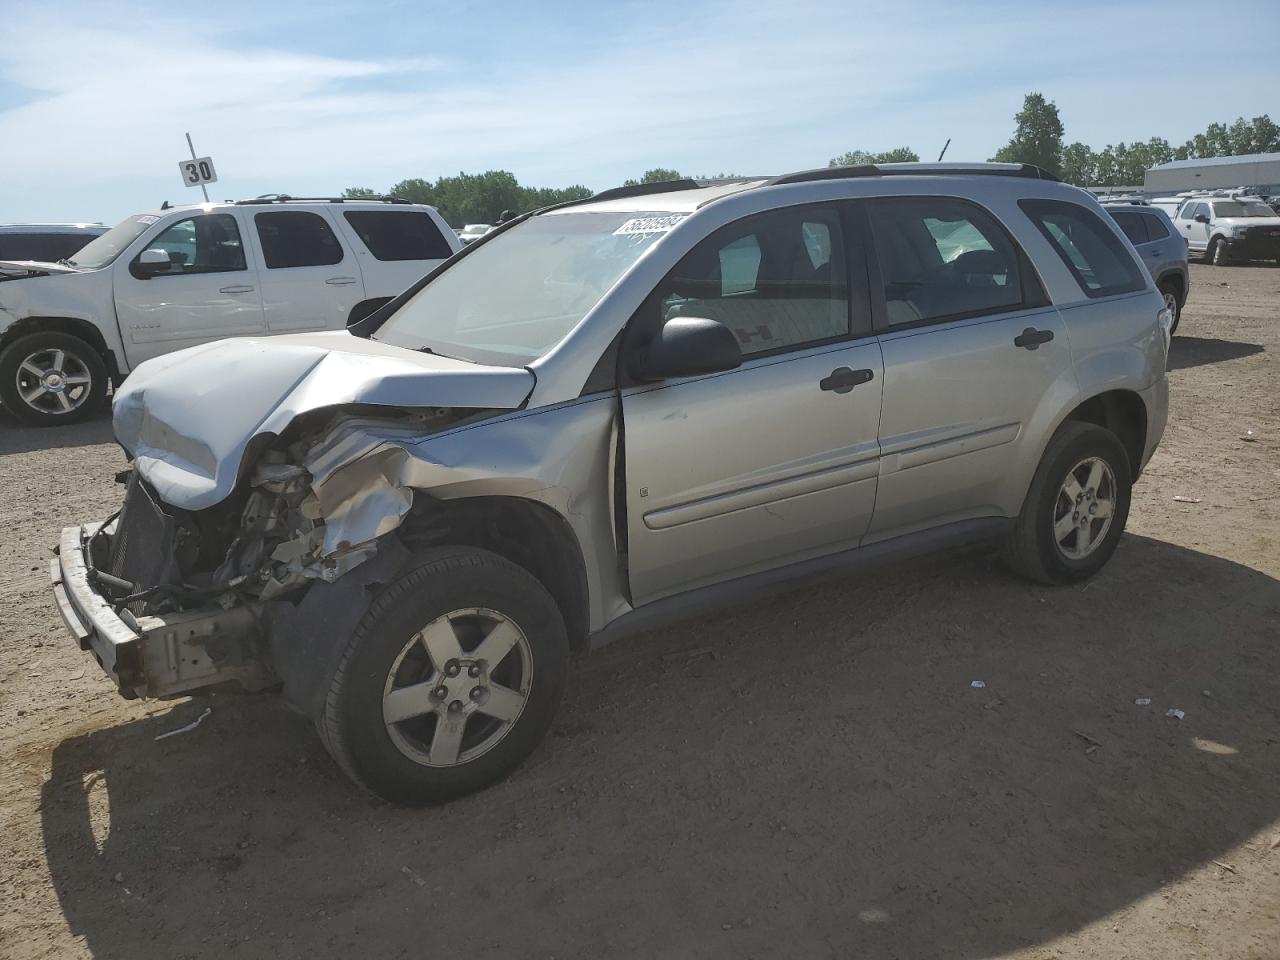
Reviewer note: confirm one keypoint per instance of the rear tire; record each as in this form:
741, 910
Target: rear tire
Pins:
417, 726
50, 379
1169, 291
1057, 538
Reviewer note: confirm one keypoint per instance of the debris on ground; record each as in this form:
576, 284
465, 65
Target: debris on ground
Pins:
1249, 437
1224, 866
1143, 702
413, 875
1181, 499
1175, 713
978, 684
190, 726
1093, 744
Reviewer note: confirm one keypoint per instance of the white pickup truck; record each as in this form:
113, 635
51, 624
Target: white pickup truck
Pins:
179, 276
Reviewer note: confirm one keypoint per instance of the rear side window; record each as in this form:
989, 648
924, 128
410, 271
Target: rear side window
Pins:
1133, 225
942, 259
777, 280
296, 238
1092, 252
1156, 230
399, 234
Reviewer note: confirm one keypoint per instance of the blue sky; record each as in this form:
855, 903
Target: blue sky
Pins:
308, 98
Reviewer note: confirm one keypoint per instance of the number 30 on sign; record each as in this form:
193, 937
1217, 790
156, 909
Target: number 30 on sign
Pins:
198, 171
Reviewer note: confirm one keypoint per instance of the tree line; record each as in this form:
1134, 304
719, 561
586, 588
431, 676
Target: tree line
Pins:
1037, 139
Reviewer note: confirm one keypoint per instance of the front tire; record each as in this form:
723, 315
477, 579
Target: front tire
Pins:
1076, 508
50, 379
449, 681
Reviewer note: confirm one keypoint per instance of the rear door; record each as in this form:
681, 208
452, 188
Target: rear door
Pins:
310, 280
775, 461
395, 248
971, 345
210, 290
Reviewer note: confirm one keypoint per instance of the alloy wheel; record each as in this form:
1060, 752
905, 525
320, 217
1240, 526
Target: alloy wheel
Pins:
457, 687
1084, 507
54, 381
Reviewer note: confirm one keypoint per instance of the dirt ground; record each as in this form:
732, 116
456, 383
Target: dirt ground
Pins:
814, 776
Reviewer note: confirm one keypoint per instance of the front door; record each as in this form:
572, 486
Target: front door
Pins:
209, 291
1195, 232
773, 462
309, 281
971, 347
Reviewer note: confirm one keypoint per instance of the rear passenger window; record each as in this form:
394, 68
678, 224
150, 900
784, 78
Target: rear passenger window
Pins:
399, 234
777, 280
1133, 225
943, 259
296, 238
1098, 260
1156, 230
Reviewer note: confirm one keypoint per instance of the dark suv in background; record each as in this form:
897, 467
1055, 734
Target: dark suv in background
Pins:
45, 242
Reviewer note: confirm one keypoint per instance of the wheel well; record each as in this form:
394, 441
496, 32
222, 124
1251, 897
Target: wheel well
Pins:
77, 328
528, 534
1175, 281
1124, 414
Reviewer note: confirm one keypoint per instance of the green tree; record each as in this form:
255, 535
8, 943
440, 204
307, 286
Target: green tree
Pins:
856, 158
1259, 135
1037, 138
360, 193
1079, 164
656, 175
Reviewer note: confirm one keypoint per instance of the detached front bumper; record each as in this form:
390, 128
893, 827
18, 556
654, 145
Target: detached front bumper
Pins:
156, 656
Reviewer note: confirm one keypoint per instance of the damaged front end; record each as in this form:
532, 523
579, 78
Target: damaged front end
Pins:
171, 601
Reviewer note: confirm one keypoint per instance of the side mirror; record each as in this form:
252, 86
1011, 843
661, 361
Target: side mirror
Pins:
149, 263
1201, 218
687, 347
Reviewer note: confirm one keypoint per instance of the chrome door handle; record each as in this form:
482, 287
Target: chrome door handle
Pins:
240, 289
340, 281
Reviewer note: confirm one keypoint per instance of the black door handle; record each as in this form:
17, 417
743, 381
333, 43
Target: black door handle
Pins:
1031, 338
842, 379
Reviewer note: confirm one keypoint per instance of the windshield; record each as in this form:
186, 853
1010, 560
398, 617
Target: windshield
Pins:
516, 295
1242, 208
100, 251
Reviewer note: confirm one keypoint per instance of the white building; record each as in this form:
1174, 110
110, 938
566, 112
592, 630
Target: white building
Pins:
1260, 170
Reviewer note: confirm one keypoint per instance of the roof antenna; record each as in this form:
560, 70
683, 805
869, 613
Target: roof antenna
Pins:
944, 149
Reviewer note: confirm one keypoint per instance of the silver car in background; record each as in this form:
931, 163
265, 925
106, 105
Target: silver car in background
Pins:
1162, 251
607, 414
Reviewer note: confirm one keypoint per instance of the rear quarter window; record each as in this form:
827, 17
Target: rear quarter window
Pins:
1156, 230
1132, 225
399, 234
1092, 252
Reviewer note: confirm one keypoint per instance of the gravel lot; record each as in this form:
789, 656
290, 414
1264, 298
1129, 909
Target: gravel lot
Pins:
810, 777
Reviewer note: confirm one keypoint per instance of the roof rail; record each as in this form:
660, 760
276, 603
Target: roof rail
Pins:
643, 189
915, 170
286, 198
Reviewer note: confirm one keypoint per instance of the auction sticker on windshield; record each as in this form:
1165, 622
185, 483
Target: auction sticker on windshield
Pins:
649, 225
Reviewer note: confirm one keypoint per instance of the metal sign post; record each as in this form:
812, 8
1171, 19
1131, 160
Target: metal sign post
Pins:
203, 188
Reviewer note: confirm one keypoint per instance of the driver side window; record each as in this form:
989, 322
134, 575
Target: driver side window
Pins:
209, 243
778, 280
943, 259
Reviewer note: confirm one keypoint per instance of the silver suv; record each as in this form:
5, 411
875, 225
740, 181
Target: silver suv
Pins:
610, 413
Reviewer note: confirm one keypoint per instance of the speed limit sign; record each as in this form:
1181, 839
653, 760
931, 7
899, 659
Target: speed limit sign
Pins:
197, 171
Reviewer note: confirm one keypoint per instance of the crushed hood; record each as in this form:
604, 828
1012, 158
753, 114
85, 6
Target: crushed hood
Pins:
187, 417
34, 267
